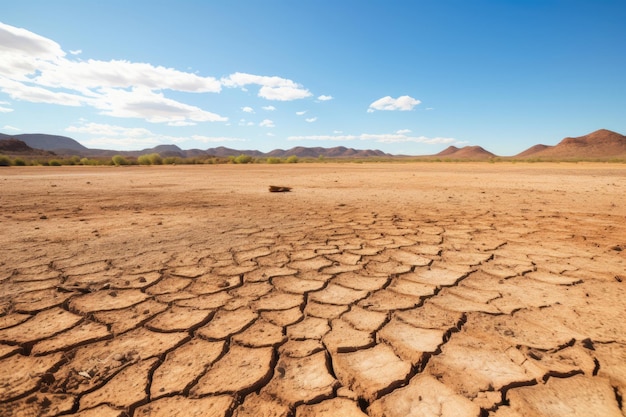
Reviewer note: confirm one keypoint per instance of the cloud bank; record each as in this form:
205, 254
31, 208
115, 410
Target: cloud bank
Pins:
36, 69
125, 138
380, 138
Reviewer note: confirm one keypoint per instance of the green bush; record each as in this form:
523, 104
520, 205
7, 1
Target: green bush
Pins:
243, 159
19, 162
4, 161
119, 160
156, 159
175, 160
293, 159
143, 160
150, 159
54, 163
273, 160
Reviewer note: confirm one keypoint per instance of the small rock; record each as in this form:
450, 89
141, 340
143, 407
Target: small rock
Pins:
279, 189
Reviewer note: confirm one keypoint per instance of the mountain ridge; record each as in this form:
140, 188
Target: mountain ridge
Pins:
599, 144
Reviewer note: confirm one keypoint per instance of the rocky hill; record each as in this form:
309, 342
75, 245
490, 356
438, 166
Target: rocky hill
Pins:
466, 152
55, 143
14, 147
601, 144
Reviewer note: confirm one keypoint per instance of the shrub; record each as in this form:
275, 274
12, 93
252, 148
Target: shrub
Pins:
150, 159
243, 159
173, 160
274, 160
143, 160
54, 163
119, 160
19, 162
4, 161
293, 159
156, 159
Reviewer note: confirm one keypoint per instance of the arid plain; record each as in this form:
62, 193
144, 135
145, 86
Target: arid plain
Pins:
377, 289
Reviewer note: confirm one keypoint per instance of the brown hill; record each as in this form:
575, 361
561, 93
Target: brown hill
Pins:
601, 144
532, 151
466, 152
450, 150
14, 147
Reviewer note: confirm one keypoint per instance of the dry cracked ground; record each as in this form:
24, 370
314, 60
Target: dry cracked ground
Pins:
390, 290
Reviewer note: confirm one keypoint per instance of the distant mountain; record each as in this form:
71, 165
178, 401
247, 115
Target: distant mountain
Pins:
16, 147
533, 150
222, 151
450, 150
336, 152
48, 142
466, 152
600, 144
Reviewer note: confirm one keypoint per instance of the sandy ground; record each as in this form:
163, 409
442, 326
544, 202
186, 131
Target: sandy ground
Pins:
371, 289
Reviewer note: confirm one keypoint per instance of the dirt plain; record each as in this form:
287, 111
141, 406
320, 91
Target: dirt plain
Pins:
382, 289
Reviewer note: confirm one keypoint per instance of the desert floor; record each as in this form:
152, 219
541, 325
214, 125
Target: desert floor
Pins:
418, 289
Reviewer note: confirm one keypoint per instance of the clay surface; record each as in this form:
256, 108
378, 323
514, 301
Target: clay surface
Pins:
417, 289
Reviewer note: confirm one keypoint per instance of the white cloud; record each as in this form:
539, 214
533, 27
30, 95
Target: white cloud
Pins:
181, 123
123, 138
380, 138
93, 74
311, 119
153, 107
267, 123
403, 131
324, 98
301, 113
5, 110
247, 109
36, 69
244, 122
14, 40
403, 103
103, 129
272, 88
8, 127
21, 91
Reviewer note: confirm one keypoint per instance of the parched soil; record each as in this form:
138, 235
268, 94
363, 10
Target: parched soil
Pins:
422, 289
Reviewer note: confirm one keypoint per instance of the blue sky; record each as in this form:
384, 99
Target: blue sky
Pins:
410, 77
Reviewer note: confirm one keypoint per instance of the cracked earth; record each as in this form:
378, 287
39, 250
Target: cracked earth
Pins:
389, 290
